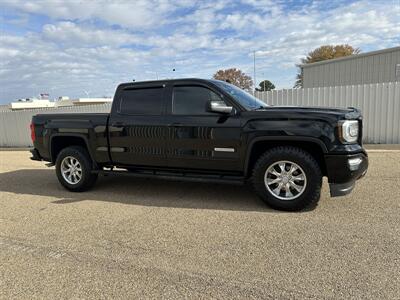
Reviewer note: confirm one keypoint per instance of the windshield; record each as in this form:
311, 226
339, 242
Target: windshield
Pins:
248, 101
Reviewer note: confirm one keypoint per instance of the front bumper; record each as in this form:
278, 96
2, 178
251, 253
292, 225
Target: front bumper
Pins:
343, 170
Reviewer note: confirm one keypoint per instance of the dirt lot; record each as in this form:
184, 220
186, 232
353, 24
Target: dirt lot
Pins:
136, 238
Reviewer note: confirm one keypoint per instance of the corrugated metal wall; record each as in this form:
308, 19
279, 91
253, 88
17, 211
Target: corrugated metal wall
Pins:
360, 69
379, 103
14, 125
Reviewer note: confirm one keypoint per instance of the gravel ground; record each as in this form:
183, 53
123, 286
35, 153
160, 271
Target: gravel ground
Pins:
136, 238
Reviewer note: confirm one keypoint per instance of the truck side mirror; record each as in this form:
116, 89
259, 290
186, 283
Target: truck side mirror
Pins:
219, 107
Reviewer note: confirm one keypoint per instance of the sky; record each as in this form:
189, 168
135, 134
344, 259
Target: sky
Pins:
80, 48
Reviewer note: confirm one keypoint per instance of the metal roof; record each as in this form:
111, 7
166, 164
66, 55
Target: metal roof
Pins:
354, 56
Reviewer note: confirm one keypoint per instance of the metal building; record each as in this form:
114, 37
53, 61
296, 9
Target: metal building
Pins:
365, 68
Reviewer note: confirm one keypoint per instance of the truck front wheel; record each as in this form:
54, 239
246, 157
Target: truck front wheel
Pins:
73, 169
287, 178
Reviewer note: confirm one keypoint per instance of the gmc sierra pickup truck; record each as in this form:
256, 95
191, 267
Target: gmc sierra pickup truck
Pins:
207, 130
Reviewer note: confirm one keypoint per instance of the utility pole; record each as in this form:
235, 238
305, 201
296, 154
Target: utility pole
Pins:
254, 71
263, 80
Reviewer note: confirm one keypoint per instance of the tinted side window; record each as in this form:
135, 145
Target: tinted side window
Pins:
192, 100
148, 101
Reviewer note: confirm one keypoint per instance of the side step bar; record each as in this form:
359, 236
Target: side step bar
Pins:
226, 179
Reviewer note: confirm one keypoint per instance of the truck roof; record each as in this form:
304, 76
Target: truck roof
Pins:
151, 82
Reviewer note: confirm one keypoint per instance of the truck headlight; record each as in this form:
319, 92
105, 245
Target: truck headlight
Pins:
348, 131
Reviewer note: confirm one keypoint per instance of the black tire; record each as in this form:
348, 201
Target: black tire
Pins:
87, 179
311, 192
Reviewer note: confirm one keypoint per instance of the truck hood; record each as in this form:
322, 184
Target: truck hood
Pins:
349, 113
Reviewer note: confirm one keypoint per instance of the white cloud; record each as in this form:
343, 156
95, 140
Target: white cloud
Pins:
135, 15
125, 13
95, 44
73, 34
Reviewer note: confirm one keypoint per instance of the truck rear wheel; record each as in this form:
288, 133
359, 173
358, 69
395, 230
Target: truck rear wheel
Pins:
73, 168
287, 178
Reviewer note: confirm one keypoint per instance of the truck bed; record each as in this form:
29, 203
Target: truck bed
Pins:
92, 117
89, 127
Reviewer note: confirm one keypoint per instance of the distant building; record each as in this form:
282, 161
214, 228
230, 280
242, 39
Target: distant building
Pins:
4, 107
35, 103
370, 67
65, 101
30, 103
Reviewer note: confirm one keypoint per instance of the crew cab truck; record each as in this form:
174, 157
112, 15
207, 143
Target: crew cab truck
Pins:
207, 130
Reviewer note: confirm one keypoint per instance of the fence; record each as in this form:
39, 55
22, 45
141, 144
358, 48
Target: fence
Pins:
380, 105
14, 125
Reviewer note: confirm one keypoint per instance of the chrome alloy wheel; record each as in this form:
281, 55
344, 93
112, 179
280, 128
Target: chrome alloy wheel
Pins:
285, 180
71, 170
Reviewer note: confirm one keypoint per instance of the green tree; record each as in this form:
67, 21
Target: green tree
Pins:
236, 77
324, 53
265, 85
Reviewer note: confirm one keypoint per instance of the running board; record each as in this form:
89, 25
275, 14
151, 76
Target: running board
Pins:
226, 179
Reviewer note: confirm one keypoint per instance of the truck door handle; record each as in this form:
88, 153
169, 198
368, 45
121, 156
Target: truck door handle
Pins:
117, 124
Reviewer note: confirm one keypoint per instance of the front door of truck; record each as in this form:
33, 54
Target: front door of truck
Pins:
197, 138
137, 126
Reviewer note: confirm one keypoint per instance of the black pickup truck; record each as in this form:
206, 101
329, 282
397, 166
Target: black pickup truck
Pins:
207, 130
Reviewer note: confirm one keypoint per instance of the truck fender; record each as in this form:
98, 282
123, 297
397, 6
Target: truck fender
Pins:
76, 135
279, 139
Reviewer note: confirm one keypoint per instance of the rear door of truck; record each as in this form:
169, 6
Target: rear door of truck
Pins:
137, 126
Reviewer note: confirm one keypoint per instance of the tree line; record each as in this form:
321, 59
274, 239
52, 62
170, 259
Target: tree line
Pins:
239, 78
